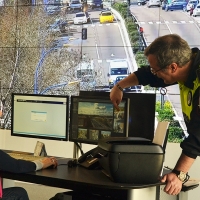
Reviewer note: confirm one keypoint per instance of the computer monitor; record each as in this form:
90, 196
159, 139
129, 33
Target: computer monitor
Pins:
94, 118
40, 116
141, 112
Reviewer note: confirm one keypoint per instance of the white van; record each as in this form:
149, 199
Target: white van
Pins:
152, 3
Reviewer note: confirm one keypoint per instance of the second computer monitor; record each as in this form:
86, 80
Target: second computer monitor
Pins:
94, 118
141, 112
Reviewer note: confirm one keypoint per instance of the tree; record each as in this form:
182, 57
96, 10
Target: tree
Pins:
27, 50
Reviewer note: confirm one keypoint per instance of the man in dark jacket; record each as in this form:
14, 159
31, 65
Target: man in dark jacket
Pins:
7, 163
172, 62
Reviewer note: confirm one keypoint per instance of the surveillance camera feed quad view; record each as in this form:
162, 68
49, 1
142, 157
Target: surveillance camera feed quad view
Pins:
96, 120
92, 120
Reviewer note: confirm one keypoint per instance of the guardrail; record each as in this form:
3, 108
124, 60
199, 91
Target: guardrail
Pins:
141, 32
131, 57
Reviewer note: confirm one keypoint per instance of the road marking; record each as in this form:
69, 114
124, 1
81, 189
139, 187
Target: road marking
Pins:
167, 22
97, 51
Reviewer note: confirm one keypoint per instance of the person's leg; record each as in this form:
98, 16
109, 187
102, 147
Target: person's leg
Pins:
15, 193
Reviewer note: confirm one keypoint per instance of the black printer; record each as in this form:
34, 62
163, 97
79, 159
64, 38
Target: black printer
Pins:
131, 159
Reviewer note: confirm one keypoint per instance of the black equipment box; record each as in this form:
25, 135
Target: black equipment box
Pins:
131, 160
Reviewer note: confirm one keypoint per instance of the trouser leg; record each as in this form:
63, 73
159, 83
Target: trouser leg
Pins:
15, 193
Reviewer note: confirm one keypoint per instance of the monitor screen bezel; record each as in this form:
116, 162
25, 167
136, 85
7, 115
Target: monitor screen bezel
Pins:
66, 137
95, 142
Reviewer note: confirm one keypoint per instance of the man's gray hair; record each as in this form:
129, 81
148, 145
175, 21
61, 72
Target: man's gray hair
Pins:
168, 49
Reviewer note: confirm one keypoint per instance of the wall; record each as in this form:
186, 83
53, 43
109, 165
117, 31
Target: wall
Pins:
54, 148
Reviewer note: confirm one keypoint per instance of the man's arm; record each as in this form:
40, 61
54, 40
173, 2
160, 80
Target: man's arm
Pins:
173, 184
116, 94
7, 163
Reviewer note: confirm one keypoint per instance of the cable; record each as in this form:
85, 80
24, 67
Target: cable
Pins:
80, 148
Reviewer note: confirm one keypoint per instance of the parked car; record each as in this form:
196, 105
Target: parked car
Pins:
51, 9
196, 10
190, 4
81, 18
106, 16
176, 5
152, 3
58, 26
141, 2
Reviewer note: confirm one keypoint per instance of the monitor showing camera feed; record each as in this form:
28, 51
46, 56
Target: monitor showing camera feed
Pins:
141, 112
40, 116
92, 119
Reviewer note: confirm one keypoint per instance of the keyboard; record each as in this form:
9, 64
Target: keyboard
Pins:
23, 156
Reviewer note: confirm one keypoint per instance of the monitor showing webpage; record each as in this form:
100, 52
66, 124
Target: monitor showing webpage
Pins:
40, 116
93, 118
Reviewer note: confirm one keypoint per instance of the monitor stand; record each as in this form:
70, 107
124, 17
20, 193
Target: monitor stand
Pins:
76, 151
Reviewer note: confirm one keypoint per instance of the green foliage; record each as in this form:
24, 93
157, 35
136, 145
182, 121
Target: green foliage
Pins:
175, 132
132, 29
166, 113
141, 59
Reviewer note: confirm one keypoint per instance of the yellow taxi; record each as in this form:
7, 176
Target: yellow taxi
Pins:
106, 16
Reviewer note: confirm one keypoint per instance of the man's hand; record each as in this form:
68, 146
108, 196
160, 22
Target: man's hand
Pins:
116, 96
173, 184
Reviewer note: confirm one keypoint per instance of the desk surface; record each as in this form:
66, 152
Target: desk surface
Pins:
76, 178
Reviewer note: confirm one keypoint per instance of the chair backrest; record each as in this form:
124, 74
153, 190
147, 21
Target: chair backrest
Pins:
161, 134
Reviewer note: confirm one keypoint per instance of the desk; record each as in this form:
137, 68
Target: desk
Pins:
81, 180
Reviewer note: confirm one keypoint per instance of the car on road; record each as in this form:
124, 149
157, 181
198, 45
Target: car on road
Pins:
196, 10
176, 5
81, 18
152, 3
190, 4
95, 4
106, 16
75, 5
